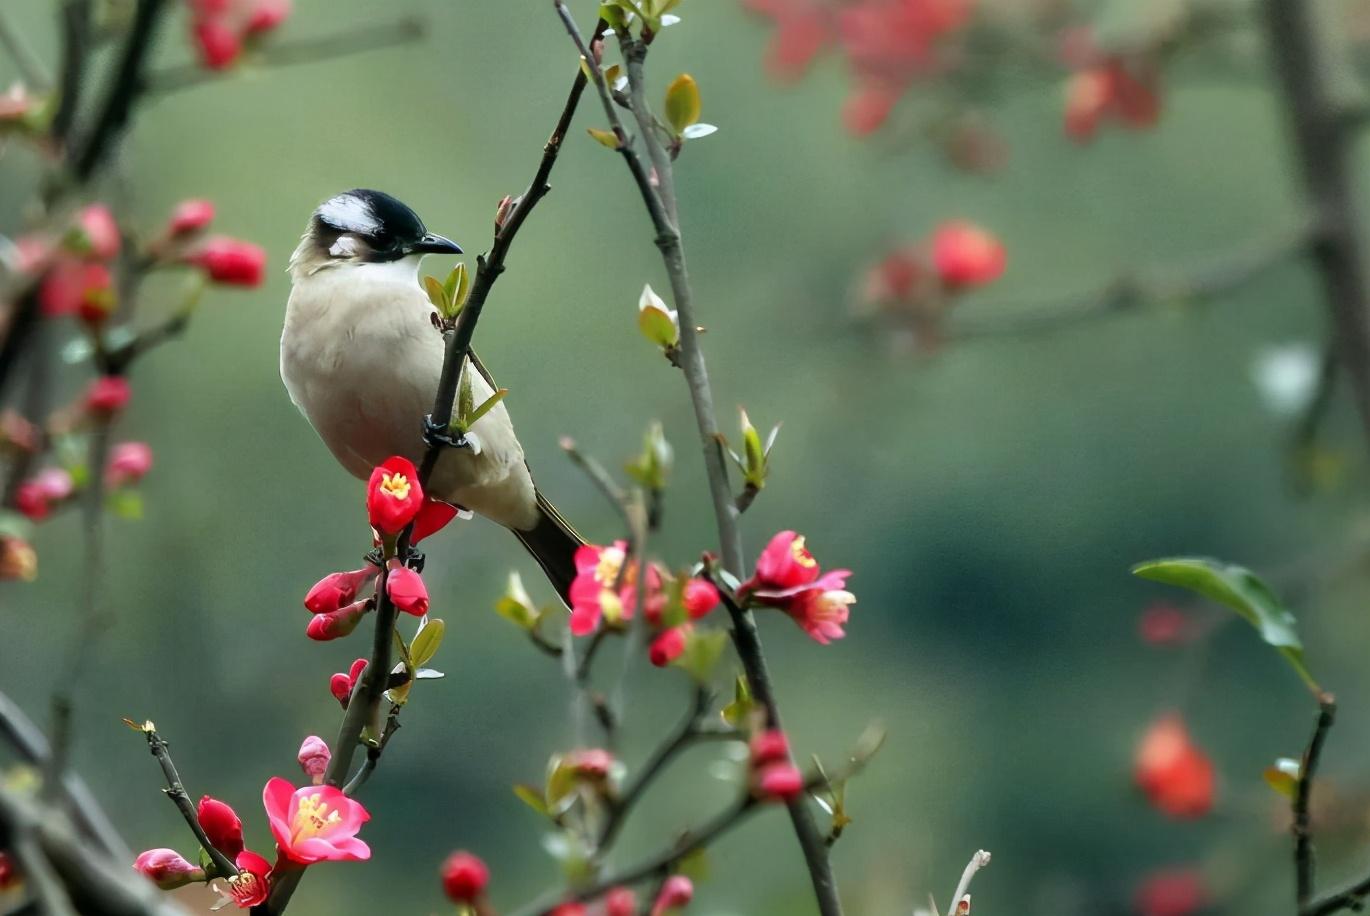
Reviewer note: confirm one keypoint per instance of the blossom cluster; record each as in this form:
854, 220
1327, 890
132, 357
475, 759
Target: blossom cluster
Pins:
465, 879
223, 29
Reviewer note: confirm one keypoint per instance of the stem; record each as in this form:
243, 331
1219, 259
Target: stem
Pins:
746, 639
1304, 857
75, 52
1324, 141
176, 791
123, 94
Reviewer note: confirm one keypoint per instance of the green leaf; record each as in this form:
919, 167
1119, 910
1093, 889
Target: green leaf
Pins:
740, 709
1241, 590
695, 866
426, 642
465, 398
126, 504
703, 648
659, 324
532, 798
1283, 777
606, 138
683, 105
516, 606
437, 294
486, 406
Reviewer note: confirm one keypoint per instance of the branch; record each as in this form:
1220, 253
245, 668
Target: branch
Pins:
75, 53
343, 43
746, 639
224, 868
123, 94
1303, 837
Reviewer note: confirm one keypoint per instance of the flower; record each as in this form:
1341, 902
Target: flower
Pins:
190, 216
770, 746
592, 591
677, 891
464, 877
221, 825
218, 43
35, 496
1164, 625
1176, 776
570, 909
266, 15
821, 611
167, 868
314, 824
781, 781
77, 287
108, 394
620, 901
252, 885
339, 589
341, 685
667, 646
18, 559
785, 563
700, 597
99, 233
128, 463
1113, 89
965, 255
406, 589
1171, 892
788, 577
222, 28
339, 623
313, 758
590, 763
230, 261
433, 517
393, 495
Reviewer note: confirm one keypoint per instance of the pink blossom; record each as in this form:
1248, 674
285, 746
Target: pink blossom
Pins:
190, 216
667, 647
128, 463
315, 823
676, 892
339, 623
406, 590
313, 758
167, 868
592, 593
252, 885
99, 232
339, 589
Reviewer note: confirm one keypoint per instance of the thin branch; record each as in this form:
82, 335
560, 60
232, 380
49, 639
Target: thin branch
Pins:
123, 94
75, 20
52, 897
343, 43
224, 867
373, 754
1304, 861
977, 862
746, 639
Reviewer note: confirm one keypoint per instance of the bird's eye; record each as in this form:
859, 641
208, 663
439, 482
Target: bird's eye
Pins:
381, 240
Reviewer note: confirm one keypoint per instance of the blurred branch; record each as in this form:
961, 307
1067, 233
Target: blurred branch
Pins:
658, 195
1304, 861
30, 68
1202, 282
75, 21
1324, 145
343, 43
47, 888
123, 94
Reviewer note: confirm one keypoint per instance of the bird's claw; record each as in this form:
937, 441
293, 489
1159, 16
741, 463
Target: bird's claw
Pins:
436, 435
415, 559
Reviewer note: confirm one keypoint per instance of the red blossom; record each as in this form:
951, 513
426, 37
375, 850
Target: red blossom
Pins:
592, 591
337, 624
85, 288
784, 564
341, 685
313, 758
620, 901
667, 646
966, 256
591, 763
788, 577
166, 868
230, 261
315, 823
1176, 776
18, 560
677, 891
464, 877
779, 781
190, 216
1111, 90
339, 589
393, 495
700, 597
128, 463
108, 394
221, 825
99, 233
433, 517
253, 883
266, 15
1171, 892
221, 28
770, 746
34, 497
218, 43
822, 611
406, 589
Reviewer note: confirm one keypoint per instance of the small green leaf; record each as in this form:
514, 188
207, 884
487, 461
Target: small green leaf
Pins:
437, 294
659, 324
695, 866
683, 104
606, 138
126, 504
516, 606
465, 398
532, 798
703, 648
740, 709
1283, 777
1241, 590
486, 406
426, 642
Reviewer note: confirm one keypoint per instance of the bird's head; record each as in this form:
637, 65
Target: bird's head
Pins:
361, 228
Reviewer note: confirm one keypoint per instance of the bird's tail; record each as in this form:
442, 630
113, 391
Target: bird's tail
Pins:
553, 543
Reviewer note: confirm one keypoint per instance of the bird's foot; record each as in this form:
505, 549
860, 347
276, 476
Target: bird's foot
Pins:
374, 557
435, 435
415, 559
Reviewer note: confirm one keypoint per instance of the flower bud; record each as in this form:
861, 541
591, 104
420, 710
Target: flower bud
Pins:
770, 746
504, 210
676, 892
9, 872
230, 261
128, 463
108, 394
77, 287
337, 590
667, 647
313, 758
267, 15
167, 868
221, 825
464, 877
659, 324
590, 763
406, 590
18, 560
190, 216
700, 597
218, 43
336, 624
780, 781
341, 685
620, 901
966, 255
99, 233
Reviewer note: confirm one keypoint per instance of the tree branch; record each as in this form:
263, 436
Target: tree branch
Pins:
75, 19
123, 93
1304, 861
176, 791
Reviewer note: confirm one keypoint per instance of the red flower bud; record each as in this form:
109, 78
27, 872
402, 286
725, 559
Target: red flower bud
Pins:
99, 232
128, 463
667, 647
336, 624
620, 901
190, 216
966, 255
406, 590
313, 758
464, 877
108, 394
393, 495
339, 589
592, 763
570, 909
676, 892
9, 873
230, 261
266, 15
341, 685
77, 287
166, 868
221, 825
781, 781
218, 43
700, 598
1173, 892
1173, 772
770, 746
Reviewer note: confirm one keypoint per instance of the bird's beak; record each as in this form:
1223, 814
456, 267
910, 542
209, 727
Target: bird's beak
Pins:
435, 244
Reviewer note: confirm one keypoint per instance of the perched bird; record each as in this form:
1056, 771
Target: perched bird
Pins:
361, 358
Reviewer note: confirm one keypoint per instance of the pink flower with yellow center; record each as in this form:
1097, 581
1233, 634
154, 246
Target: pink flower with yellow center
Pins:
252, 885
393, 495
785, 563
593, 596
315, 824
822, 611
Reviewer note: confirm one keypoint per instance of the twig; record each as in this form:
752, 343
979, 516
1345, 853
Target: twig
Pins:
746, 639
30, 67
343, 43
1304, 860
977, 862
373, 754
75, 53
224, 867
47, 887
123, 94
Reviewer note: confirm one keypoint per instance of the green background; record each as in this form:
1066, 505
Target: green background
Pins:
989, 499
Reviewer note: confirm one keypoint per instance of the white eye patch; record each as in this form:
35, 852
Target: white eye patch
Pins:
349, 213
345, 247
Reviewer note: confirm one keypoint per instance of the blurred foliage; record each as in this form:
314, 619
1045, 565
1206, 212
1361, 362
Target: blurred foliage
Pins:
991, 499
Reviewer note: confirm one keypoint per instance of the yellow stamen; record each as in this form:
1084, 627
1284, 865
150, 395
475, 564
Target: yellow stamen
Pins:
396, 485
800, 554
312, 817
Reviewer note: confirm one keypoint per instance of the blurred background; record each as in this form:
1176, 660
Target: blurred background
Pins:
990, 493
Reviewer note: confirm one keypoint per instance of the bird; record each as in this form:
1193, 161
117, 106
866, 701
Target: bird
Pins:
361, 357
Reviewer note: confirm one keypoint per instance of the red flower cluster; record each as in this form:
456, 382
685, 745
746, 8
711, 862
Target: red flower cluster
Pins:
36, 497
1172, 892
788, 577
605, 592
78, 280
341, 685
334, 603
774, 777
1114, 89
1176, 776
222, 28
